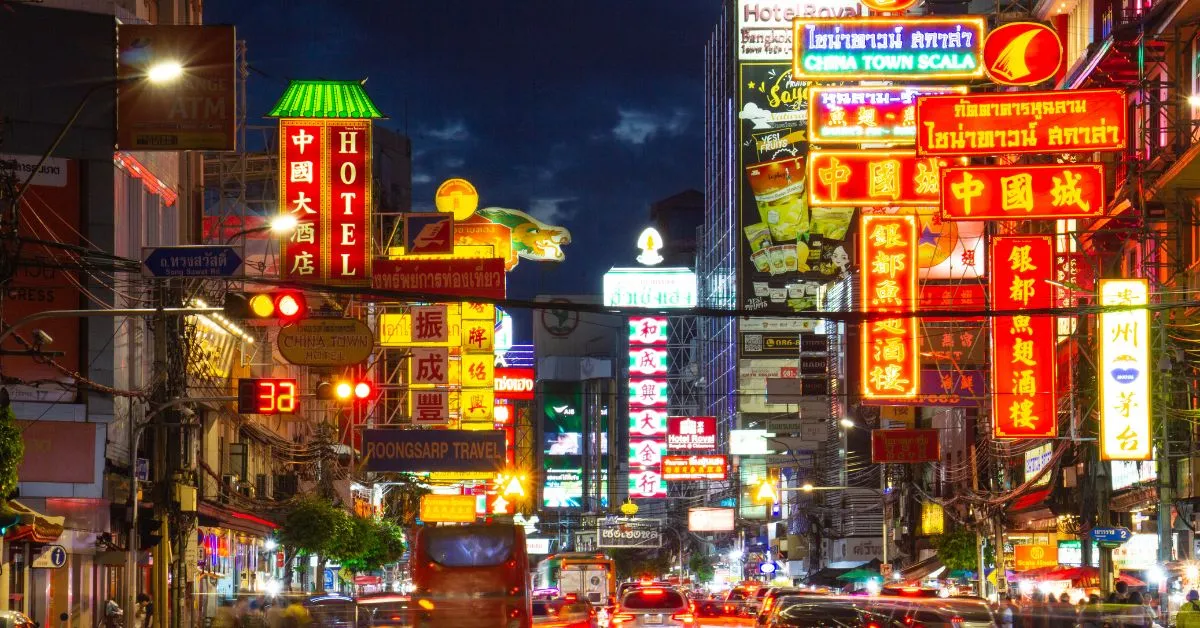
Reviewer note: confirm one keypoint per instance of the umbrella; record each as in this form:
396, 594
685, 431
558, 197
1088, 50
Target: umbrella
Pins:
859, 574
1130, 580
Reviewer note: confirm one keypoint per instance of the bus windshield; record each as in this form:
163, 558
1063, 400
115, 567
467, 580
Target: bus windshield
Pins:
483, 547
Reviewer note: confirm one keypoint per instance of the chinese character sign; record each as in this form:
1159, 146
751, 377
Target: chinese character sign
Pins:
850, 178
430, 407
1023, 357
647, 422
905, 446
695, 467
889, 284
1067, 121
648, 361
927, 48
647, 330
325, 182
691, 432
852, 115
430, 324
645, 393
648, 399
1045, 191
1124, 371
429, 365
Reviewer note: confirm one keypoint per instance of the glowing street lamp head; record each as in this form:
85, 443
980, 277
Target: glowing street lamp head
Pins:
164, 72
284, 223
807, 488
847, 423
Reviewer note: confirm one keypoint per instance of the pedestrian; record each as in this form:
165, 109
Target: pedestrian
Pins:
1007, 613
113, 615
1039, 611
1091, 615
225, 617
1188, 615
145, 610
1025, 612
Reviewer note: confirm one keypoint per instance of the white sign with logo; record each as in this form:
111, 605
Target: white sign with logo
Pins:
537, 546
855, 549
650, 287
765, 27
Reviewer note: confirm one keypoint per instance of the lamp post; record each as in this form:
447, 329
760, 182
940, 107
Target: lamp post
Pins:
282, 224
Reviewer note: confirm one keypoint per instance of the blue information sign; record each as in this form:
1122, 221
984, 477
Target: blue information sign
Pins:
192, 261
434, 450
1110, 535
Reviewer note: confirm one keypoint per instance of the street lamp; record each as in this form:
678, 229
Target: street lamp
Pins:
164, 71
282, 224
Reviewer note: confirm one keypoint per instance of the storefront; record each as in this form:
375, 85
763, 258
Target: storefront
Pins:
235, 557
23, 542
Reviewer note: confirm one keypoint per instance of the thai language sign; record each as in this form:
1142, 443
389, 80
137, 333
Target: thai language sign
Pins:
650, 287
850, 115
1023, 358
448, 508
1069, 121
1046, 191
635, 533
1124, 371
832, 49
889, 284
433, 450
851, 178
765, 26
677, 468
905, 446
483, 278
325, 183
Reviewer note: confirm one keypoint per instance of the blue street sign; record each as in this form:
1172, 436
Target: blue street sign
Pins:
328, 580
191, 261
1110, 535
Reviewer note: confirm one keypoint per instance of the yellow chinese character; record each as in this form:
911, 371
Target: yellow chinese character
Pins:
1126, 404
1024, 383
890, 350
1021, 290
884, 179
908, 116
1021, 260
1017, 192
890, 326
887, 292
866, 117
1066, 192
836, 174
304, 234
303, 264
888, 263
1021, 415
889, 378
886, 236
966, 189
1128, 439
1020, 325
1125, 332
837, 116
926, 179
1022, 352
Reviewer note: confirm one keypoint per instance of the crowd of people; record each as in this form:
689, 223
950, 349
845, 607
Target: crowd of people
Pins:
1121, 609
261, 613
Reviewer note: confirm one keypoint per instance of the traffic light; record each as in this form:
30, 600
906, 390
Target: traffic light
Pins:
345, 390
149, 532
285, 306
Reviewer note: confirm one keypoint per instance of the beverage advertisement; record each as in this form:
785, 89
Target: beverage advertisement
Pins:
789, 249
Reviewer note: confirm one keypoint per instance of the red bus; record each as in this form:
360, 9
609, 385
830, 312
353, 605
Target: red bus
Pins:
472, 575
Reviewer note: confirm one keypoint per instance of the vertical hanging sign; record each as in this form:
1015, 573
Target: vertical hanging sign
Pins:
325, 182
1124, 371
889, 284
648, 399
1023, 358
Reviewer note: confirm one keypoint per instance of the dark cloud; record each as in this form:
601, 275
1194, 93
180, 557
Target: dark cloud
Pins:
580, 113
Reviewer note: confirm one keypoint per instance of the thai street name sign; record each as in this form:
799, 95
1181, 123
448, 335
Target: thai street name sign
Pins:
851, 115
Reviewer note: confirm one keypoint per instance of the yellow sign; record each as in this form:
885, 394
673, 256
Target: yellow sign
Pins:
933, 518
650, 242
477, 404
326, 342
461, 251
460, 476
448, 508
458, 197
1124, 371
478, 336
478, 370
479, 312
395, 330
1027, 557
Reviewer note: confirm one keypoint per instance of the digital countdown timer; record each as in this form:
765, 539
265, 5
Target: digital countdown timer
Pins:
267, 396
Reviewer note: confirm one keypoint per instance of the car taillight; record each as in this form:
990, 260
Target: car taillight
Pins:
686, 618
621, 618
767, 604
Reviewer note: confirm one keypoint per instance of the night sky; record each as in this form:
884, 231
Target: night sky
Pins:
580, 113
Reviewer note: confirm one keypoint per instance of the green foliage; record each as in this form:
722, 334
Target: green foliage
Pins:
385, 544
313, 525
354, 539
636, 563
956, 549
12, 452
702, 565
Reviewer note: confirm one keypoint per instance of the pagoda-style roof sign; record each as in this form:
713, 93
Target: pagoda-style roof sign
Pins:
325, 99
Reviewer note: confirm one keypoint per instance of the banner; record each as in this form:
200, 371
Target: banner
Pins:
1001, 123
1051, 192
676, 468
852, 115
1124, 364
850, 178
417, 451
921, 48
1023, 347
636, 533
889, 284
466, 278
905, 446
788, 250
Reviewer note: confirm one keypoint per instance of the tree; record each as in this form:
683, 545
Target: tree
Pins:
310, 526
12, 453
636, 563
702, 566
385, 544
956, 549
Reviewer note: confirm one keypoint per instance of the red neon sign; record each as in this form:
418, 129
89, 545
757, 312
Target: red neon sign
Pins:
905, 446
852, 115
890, 361
852, 178
1020, 192
676, 468
1069, 121
1023, 360
1022, 53
514, 383
302, 194
349, 201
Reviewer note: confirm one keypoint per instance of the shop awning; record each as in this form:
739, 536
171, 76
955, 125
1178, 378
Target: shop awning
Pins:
1029, 501
922, 569
216, 515
32, 526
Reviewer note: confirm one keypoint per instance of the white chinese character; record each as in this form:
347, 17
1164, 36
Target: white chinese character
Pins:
687, 427
303, 264
302, 138
302, 172
302, 203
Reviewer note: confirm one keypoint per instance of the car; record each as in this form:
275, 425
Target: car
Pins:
564, 613
16, 619
793, 611
653, 606
773, 595
754, 602
736, 598
384, 610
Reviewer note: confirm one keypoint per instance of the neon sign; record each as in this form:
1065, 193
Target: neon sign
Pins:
851, 178
1072, 121
832, 49
890, 361
1045, 191
851, 115
1125, 371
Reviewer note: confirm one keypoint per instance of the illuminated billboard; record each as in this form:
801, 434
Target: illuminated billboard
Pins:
890, 361
1001, 123
852, 178
677, 468
852, 115
925, 48
1124, 366
1044, 191
1023, 347
650, 287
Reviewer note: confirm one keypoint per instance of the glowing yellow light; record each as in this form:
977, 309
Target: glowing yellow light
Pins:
261, 305
765, 493
164, 72
343, 390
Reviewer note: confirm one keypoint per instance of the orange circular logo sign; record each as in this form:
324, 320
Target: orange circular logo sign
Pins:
1022, 53
888, 6
458, 197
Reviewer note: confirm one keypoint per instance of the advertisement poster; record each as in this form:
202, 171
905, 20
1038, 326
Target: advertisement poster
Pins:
789, 250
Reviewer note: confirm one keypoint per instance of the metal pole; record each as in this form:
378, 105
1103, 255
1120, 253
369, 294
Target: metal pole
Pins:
883, 508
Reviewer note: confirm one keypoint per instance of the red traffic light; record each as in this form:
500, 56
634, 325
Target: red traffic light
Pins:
285, 306
347, 390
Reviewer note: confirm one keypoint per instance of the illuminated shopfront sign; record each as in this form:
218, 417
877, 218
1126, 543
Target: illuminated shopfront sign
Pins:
851, 115
1023, 347
905, 446
677, 468
1124, 371
1022, 53
926, 48
890, 361
1067, 121
691, 432
1045, 191
648, 361
650, 287
852, 178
